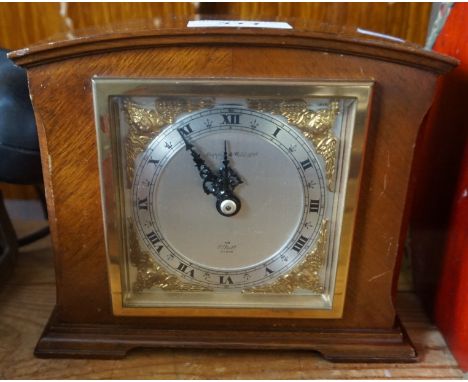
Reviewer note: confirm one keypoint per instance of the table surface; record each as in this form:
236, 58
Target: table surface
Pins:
28, 297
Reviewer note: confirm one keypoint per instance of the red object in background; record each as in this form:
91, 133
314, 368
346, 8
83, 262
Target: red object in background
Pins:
451, 306
439, 222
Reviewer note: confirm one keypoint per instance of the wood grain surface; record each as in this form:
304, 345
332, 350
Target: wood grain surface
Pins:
408, 21
61, 92
22, 24
72, 178
173, 33
27, 300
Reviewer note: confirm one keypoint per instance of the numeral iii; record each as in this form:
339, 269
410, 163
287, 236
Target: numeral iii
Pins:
314, 206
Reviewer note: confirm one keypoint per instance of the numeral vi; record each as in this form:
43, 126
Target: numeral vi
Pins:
184, 268
225, 280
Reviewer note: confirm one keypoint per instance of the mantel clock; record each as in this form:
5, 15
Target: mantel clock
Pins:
237, 188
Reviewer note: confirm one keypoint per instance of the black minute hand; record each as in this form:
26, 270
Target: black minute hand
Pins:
205, 172
221, 185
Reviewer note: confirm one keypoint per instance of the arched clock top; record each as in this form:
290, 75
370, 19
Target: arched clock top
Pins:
353, 44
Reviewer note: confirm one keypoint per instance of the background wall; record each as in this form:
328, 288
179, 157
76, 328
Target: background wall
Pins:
23, 24
408, 21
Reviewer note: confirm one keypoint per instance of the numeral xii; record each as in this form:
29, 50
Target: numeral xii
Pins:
186, 130
231, 119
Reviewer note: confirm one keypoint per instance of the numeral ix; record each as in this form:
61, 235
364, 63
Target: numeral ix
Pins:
143, 204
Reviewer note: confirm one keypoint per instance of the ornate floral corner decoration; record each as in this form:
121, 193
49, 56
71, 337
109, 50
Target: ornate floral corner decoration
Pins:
305, 275
146, 122
149, 273
317, 126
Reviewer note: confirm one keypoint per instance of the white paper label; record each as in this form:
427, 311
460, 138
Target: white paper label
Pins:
237, 24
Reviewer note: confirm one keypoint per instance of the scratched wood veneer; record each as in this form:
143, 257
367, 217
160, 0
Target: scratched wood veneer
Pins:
28, 298
60, 75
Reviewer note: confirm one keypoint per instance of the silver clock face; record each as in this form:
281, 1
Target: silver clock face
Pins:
229, 197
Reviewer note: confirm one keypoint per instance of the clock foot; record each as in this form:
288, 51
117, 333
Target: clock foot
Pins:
113, 341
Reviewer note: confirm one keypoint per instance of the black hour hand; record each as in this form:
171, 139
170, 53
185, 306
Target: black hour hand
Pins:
227, 174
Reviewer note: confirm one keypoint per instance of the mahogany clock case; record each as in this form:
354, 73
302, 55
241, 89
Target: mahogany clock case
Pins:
60, 75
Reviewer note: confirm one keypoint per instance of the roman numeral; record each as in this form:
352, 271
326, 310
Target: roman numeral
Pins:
300, 243
182, 267
276, 131
314, 206
186, 130
185, 269
231, 119
225, 280
154, 161
306, 164
143, 204
154, 239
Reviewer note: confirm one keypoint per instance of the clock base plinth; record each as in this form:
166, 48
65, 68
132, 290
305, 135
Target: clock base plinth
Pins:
113, 341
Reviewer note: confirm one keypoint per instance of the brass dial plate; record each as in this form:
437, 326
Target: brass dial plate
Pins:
331, 116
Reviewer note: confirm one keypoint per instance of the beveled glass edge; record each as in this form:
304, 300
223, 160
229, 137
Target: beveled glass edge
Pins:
104, 87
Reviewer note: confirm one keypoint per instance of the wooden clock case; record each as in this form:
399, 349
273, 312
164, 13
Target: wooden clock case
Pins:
83, 325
